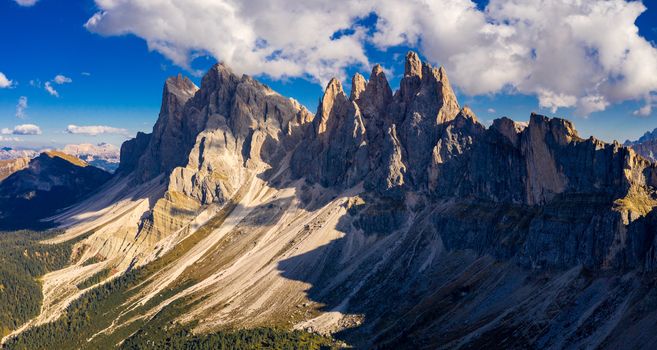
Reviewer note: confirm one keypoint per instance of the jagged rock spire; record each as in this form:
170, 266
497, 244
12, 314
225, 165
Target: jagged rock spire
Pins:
376, 95
333, 104
358, 83
413, 65
410, 83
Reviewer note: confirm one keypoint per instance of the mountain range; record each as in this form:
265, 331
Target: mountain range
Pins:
646, 145
36, 188
387, 219
102, 155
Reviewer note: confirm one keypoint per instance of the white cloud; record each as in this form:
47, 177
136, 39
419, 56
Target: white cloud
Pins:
25, 129
5, 82
21, 106
9, 139
491, 110
6, 131
255, 37
26, 3
95, 130
646, 110
564, 52
553, 101
86, 74
51, 90
590, 104
61, 79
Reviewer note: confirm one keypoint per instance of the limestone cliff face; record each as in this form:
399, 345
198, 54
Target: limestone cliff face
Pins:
131, 152
336, 147
209, 141
239, 127
416, 144
374, 136
170, 141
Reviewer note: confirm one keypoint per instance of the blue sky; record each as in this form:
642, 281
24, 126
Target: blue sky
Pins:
117, 69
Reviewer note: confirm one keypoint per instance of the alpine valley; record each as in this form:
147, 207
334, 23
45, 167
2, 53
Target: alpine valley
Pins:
387, 219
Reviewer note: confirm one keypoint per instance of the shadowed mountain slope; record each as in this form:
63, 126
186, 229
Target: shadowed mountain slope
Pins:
51, 181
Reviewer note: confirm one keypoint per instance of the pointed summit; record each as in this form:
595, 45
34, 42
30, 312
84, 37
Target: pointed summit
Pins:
180, 87
413, 66
377, 94
358, 83
468, 114
410, 83
334, 99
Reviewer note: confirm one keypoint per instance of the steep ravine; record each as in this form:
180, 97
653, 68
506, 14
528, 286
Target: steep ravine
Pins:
389, 220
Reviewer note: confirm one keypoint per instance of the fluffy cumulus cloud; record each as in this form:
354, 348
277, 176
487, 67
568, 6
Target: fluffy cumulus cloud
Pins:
26, 3
585, 54
24, 129
21, 106
61, 79
95, 130
650, 103
5, 82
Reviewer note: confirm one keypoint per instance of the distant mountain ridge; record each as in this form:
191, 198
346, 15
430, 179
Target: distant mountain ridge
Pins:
646, 145
648, 136
387, 219
50, 181
10, 166
103, 155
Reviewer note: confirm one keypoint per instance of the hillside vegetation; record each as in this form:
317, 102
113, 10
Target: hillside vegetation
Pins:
22, 260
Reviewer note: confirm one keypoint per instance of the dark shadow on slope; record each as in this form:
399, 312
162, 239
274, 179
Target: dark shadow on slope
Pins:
484, 270
412, 294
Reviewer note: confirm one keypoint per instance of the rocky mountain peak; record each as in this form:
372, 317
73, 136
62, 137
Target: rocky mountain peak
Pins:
180, 87
646, 145
467, 114
358, 83
161, 153
561, 130
509, 129
376, 96
413, 65
334, 105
